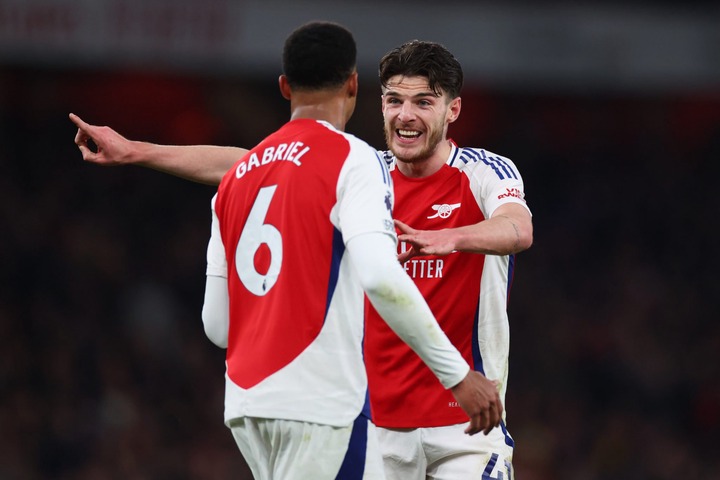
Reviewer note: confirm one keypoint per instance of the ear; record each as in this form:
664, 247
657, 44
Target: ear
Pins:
352, 85
454, 109
285, 89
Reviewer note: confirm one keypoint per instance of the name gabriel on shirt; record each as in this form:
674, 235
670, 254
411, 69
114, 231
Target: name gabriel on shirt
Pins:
283, 152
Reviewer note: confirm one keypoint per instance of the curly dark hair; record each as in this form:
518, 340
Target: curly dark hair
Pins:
319, 55
425, 59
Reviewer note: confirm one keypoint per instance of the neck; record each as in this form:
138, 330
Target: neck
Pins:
424, 168
331, 108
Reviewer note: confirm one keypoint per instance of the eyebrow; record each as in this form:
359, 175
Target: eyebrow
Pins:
428, 93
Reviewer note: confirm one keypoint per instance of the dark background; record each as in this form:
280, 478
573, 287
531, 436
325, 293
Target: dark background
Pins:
105, 372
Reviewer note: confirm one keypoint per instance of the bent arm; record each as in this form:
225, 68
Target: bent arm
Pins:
509, 230
199, 163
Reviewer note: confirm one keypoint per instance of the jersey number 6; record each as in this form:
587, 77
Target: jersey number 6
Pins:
254, 234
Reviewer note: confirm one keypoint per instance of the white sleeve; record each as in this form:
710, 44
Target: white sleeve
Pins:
400, 304
216, 260
495, 183
216, 310
365, 195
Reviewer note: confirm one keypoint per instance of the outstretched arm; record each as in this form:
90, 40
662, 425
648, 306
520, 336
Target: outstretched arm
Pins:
198, 163
399, 302
508, 231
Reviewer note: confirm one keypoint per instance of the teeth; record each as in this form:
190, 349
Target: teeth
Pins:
408, 133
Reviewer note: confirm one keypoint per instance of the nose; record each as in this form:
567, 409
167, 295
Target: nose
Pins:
406, 114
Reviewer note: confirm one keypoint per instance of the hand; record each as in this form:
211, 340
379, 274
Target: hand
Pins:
424, 242
480, 399
112, 148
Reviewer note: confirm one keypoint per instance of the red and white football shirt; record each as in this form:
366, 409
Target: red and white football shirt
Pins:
466, 292
282, 216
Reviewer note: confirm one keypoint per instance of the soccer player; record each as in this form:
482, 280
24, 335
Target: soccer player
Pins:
301, 227
469, 218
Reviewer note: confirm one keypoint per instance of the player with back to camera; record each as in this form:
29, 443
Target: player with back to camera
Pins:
470, 218
304, 220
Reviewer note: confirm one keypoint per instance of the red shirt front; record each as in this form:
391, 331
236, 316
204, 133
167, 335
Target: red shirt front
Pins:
404, 393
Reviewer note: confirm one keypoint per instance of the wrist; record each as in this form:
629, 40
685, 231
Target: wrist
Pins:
458, 239
138, 153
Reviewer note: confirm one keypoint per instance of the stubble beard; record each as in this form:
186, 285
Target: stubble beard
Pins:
423, 154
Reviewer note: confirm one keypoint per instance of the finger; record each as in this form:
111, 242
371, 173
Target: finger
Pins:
495, 416
493, 420
488, 418
81, 140
406, 237
491, 427
81, 137
404, 228
83, 134
474, 426
497, 404
87, 154
85, 130
477, 423
406, 255
78, 121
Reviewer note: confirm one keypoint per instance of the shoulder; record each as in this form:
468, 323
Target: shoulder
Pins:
363, 159
361, 145
354, 142
471, 159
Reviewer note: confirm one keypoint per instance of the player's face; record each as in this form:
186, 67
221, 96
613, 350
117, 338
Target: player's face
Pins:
416, 118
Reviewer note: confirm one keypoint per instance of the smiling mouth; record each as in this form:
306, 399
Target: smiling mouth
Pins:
407, 134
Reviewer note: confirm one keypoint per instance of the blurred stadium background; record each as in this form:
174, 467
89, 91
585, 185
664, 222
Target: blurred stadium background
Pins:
611, 110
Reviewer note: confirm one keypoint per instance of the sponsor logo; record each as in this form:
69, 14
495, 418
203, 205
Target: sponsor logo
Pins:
444, 210
511, 192
424, 268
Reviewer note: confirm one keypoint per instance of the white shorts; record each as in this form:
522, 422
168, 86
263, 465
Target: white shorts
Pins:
291, 450
445, 453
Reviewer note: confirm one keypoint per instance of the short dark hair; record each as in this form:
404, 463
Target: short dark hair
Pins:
319, 55
424, 59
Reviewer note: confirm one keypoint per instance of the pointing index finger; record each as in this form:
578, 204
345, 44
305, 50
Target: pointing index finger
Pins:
78, 121
404, 228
